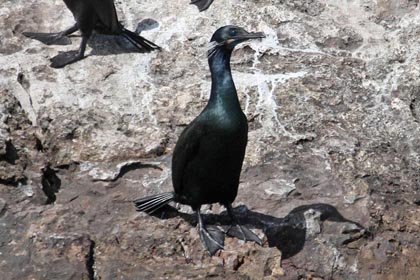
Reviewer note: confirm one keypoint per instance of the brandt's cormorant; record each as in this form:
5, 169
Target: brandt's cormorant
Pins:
202, 4
208, 156
98, 15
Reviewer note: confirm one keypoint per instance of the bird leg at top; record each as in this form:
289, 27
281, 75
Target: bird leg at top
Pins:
64, 58
58, 38
238, 231
212, 237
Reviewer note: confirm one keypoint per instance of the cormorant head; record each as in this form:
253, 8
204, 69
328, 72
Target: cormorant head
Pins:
229, 36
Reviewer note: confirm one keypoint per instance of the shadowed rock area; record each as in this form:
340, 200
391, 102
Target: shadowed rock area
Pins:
331, 175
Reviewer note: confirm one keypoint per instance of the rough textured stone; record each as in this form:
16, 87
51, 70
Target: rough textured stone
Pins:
331, 175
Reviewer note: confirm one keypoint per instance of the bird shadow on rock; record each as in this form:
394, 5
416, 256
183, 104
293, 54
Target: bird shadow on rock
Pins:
287, 234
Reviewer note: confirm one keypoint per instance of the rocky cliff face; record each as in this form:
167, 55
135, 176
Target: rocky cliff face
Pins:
331, 177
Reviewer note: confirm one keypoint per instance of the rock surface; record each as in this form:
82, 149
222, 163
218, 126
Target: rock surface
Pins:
331, 176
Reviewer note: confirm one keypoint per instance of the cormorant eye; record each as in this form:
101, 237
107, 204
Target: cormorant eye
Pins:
233, 32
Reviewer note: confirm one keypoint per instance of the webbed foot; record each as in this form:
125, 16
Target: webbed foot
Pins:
243, 233
202, 4
212, 238
146, 24
238, 231
64, 58
49, 38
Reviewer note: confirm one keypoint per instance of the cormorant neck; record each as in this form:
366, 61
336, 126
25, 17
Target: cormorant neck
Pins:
222, 87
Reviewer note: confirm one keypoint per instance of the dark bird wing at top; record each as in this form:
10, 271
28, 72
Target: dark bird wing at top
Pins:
202, 5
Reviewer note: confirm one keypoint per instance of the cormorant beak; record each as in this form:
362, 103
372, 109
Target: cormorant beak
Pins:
252, 35
244, 36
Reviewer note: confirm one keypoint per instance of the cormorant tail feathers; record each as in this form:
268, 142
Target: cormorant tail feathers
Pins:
202, 4
139, 42
154, 202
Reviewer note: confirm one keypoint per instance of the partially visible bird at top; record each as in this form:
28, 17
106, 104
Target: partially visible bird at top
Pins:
90, 15
208, 156
202, 5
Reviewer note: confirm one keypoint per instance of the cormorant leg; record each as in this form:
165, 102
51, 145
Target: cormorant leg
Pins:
58, 38
69, 30
212, 239
241, 232
64, 58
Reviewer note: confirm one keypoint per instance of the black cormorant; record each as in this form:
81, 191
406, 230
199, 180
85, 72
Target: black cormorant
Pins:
98, 15
202, 4
208, 156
